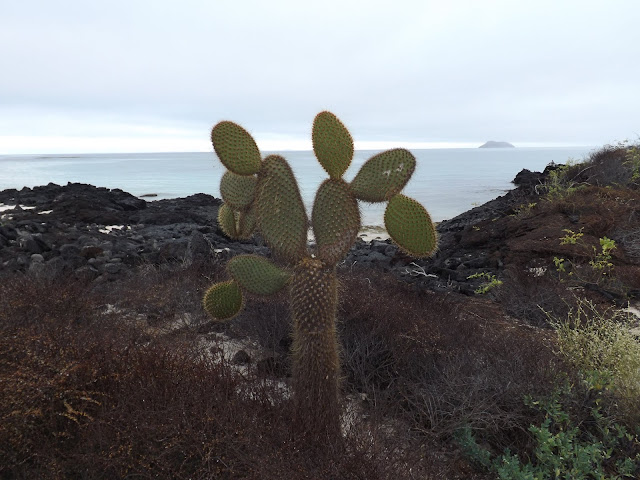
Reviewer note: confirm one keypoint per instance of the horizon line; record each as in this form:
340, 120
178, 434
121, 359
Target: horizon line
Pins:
268, 147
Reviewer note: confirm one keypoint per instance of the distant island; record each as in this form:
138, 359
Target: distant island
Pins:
492, 144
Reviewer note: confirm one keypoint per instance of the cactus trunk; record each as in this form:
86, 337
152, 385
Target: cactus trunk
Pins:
316, 364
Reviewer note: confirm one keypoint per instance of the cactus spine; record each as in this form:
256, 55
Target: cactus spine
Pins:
263, 195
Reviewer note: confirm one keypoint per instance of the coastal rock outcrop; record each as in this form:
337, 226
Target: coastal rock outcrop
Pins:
102, 234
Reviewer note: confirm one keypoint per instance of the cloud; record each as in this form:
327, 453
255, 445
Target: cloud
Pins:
413, 71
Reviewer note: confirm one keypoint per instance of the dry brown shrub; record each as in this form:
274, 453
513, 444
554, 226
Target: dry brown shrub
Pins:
439, 363
629, 240
267, 322
605, 166
27, 299
628, 277
526, 296
87, 395
161, 293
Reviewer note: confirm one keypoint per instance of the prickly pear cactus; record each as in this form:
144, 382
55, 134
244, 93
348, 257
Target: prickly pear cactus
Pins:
263, 195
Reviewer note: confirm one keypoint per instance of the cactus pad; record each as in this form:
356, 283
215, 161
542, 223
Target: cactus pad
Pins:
335, 219
238, 190
410, 226
384, 175
236, 148
332, 144
246, 223
280, 212
223, 301
257, 275
227, 221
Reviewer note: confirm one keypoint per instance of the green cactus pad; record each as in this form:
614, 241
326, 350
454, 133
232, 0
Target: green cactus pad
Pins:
227, 221
384, 175
332, 144
223, 301
236, 148
238, 191
410, 227
280, 212
247, 223
258, 275
335, 219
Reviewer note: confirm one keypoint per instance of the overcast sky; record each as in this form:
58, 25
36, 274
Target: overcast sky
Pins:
133, 75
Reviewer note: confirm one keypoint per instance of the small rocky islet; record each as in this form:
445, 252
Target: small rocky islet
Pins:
101, 234
496, 144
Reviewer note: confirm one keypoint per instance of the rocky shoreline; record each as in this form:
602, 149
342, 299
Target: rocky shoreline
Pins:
101, 234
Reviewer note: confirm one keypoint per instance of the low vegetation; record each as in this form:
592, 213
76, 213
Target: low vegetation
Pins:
535, 377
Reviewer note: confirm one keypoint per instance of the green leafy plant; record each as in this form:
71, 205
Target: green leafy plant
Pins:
563, 449
558, 185
560, 264
262, 195
600, 263
491, 281
571, 237
585, 432
523, 210
596, 340
633, 161
602, 259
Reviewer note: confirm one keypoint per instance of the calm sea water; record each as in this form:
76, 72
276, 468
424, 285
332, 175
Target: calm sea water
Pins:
446, 181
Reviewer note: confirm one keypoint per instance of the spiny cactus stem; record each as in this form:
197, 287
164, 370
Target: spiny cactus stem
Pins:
316, 365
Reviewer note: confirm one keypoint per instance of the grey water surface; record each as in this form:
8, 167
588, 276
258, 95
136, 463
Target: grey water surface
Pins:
446, 181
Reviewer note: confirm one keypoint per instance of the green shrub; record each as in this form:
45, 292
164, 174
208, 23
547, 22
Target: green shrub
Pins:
600, 263
564, 448
633, 162
523, 210
490, 282
588, 430
602, 341
609, 166
559, 185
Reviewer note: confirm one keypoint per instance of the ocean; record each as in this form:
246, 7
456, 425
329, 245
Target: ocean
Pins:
446, 181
